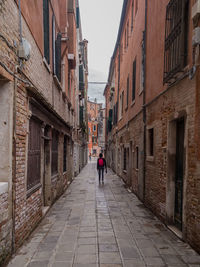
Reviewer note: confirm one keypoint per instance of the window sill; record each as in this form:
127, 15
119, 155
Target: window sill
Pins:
54, 176
46, 65
133, 103
57, 82
150, 158
33, 190
124, 171
141, 92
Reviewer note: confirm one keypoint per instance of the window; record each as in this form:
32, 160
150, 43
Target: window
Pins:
176, 38
137, 157
136, 6
77, 17
54, 153
124, 167
151, 142
65, 154
46, 29
122, 102
127, 33
125, 40
134, 80
34, 154
120, 107
58, 56
53, 44
127, 91
132, 15
142, 68
94, 128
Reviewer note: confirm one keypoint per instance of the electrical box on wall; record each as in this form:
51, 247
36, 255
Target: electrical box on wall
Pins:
24, 50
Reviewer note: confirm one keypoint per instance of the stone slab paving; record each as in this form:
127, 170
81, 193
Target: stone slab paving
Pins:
102, 225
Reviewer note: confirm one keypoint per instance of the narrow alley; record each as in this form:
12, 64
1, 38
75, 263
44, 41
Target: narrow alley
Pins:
102, 225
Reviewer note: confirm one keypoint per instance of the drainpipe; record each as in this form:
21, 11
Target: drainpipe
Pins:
144, 102
14, 165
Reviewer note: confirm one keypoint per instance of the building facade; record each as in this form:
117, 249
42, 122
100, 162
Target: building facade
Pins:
96, 128
39, 111
152, 110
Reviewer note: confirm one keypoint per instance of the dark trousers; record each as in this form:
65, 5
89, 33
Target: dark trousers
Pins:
101, 173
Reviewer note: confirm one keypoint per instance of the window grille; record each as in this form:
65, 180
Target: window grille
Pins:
134, 80
46, 30
54, 153
34, 154
176, 38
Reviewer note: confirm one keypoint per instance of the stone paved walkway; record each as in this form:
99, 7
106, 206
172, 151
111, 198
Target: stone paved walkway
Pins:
102, 225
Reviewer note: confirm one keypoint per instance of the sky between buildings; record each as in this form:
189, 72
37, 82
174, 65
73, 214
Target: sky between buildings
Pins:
100, 22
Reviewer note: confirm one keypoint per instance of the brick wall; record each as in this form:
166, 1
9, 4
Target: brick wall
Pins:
5, 224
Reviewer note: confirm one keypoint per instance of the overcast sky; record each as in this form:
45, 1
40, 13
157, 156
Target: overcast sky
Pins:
100, 22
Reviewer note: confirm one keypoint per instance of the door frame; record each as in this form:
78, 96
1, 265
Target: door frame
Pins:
171, 170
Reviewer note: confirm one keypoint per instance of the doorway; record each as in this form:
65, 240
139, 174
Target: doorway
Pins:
179, 173
175, 173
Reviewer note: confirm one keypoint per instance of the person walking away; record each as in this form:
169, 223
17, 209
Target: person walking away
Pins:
90, 157
101, 164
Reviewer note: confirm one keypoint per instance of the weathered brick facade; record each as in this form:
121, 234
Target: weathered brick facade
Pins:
5, 224
39, 113
153, 113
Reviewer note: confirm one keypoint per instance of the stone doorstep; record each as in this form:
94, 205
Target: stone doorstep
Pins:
3, 187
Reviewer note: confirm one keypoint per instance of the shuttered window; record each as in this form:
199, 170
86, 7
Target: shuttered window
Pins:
81, 78
176, 38
46, 29
134, 80
58, 56
65, 154
77, 17
34, 154
54, 153
110, 120
53, 44
127, 91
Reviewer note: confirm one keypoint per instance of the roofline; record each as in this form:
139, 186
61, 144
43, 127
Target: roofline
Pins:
124, 7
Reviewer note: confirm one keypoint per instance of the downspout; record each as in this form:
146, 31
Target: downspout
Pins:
14, 134
144, 102
14, 165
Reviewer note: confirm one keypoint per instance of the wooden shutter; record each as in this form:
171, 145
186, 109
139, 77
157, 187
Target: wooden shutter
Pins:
81, 78
34, 154
54, 153
65, 154
58, 56
46, 29
134, 80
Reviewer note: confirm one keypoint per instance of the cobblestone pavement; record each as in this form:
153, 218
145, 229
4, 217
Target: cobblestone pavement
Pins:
102, 225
